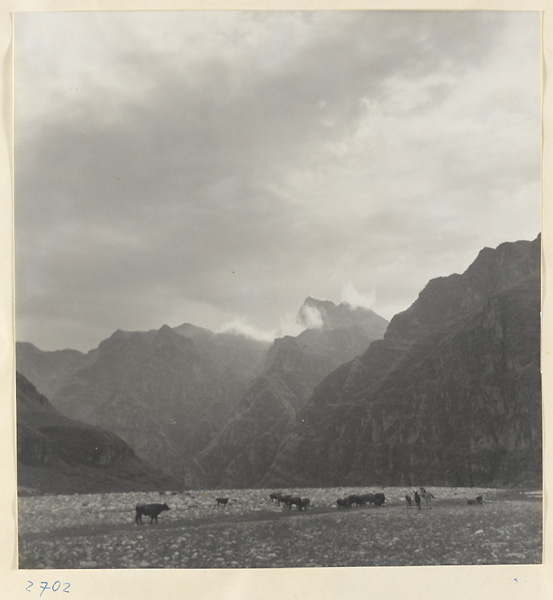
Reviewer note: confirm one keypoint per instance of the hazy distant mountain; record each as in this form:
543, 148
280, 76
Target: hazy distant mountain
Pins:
450, 396
246, 446
165, 392
49, 371
59, 455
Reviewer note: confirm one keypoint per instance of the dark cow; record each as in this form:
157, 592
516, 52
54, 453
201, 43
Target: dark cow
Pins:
355, 499
293, 500
150, 510
379, 499
343, 503
409, 501
222, 502
417, 499
275, 496
305, 502
368, 498
477, 500
284, 499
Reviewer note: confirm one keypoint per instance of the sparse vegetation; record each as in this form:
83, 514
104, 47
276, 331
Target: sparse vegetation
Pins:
98, 530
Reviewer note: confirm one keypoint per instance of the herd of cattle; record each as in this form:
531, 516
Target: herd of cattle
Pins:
361, 500
289, 500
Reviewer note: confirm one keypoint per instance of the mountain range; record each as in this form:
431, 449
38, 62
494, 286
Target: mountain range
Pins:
447, 393
245, 448
170, 392
165, 392
450, 396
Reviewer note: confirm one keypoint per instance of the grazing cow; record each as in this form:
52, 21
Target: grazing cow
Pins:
355, 499
379, 499
417, 499
284, 499
222, 502
477, 500
427, 497
305, 502
409, 501
368, 498
275, 496
294, 500
343, 503
150, 510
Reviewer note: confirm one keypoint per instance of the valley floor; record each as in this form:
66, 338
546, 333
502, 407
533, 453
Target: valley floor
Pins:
98, 530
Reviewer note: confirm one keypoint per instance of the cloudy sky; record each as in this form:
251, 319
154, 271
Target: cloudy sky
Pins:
217, 168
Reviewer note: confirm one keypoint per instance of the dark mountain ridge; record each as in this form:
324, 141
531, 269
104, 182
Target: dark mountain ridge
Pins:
450, 396
60, 455
165, 394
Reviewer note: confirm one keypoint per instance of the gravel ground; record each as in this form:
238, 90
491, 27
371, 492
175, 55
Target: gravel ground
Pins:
98, 530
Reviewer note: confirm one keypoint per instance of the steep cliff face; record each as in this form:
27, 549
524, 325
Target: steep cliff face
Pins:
60, 455
165, 394
450, 396
243, 451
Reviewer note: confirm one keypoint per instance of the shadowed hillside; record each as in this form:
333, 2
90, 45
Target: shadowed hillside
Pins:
63, 456
245, 448
450, 396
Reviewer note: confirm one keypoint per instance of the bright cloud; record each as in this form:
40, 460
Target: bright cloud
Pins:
240, 326
224, 163
353, 297
311, 316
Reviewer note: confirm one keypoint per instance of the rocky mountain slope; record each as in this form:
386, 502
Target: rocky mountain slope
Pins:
59, 455
244, 449
166, 392
450, 396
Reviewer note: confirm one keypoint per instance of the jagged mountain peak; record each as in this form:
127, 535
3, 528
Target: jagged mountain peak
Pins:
446, 300
325, 314
166, 333
191, 331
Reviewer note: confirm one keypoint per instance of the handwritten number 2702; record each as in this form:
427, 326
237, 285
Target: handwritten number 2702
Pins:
56, 586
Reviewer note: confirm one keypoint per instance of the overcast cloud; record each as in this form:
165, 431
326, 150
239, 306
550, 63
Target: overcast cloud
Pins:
217, 168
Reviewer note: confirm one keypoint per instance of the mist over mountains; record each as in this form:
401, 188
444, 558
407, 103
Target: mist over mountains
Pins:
293, 366
447, 393
169, 392
165, 392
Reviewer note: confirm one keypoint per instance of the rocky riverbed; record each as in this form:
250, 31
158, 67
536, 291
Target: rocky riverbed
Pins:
98, 530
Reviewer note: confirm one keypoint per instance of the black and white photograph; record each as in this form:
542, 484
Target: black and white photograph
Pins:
278, 289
